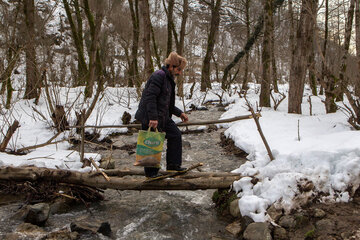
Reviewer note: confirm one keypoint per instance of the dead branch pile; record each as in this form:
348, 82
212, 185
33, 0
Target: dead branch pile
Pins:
45, 190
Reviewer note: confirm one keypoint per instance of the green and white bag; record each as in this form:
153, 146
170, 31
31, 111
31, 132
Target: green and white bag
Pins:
149, 148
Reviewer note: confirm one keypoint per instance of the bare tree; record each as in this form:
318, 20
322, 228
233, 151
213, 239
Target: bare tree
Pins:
266, 58
214, 6
342, 77
133, 68
327, 80
357, 31
32, 89
246, 70
301, 54
77, 35
144, 8
169, 12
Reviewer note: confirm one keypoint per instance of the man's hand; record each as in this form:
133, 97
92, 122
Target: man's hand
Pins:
153, 123
184, 117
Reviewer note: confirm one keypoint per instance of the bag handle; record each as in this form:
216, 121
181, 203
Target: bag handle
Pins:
149, 129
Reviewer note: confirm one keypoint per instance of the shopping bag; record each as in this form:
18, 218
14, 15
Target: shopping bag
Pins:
149, 148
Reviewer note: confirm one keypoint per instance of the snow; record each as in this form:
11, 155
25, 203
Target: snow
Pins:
320, 149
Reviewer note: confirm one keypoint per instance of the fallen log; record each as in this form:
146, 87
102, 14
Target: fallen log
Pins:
119, 183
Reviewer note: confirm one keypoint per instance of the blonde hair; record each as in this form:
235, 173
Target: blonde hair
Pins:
176, 60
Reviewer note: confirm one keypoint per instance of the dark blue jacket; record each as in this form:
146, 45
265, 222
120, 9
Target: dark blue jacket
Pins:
158, 99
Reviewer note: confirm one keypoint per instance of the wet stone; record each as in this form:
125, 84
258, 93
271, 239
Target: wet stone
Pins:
61, 235
86, 226
280, 233
287, 221
258, 231
234, 228
60, 205
319, 213
325, 225
29, 228
186, 145
246, 221
234, 208
38, 214
274, 213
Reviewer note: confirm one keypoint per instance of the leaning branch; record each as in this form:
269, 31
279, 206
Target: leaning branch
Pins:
182, 124
8, 135
250, 42
256, 119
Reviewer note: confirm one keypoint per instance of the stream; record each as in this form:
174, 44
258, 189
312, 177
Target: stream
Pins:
150, 214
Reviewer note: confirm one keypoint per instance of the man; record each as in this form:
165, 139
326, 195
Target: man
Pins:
156, 107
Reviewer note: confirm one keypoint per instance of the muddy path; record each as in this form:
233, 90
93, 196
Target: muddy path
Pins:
150, 214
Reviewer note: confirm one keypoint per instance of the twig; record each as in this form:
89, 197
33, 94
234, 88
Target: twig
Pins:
67, 196
38, 112
98, 169
277, 101
299, 130
82, 120
8, 135
47, 157
40, 145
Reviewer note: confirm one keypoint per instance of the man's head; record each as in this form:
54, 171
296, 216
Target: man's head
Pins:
175, 63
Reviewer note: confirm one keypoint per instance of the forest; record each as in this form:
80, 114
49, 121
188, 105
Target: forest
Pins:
72, 73
99, 44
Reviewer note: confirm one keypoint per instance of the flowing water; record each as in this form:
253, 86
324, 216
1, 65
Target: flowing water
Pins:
153, 214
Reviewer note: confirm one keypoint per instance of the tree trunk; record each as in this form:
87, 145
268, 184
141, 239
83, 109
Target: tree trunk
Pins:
343, 79
266, 60
250, 41
214, 27
144, 8
92, 180
272, 52
94, 60
77, 35
169, 12
357, 31
327, 80
184, 17
32, 89
180, 45
312, 76
156, 53
244, 85
133, 68
301, 54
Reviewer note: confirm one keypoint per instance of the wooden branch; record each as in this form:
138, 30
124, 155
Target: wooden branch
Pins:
48, 142
182, 124
38, 112
98, 169
168, 175
73, 177
8, 135
140, 172
256, 119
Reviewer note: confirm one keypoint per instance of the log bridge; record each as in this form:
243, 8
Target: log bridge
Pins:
122, 179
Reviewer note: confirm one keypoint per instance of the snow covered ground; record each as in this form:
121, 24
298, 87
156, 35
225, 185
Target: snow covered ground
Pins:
321, 148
